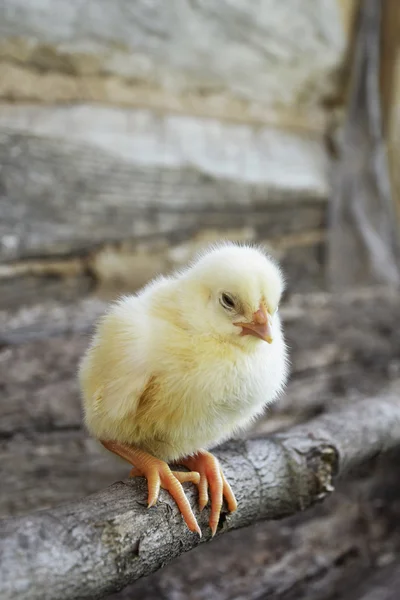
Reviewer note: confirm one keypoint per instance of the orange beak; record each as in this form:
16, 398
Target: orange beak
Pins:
260, 326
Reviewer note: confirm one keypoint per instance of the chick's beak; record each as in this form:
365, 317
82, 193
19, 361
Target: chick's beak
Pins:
260, 326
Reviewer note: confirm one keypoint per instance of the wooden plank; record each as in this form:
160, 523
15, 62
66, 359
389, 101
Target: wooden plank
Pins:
77, 177
111, 197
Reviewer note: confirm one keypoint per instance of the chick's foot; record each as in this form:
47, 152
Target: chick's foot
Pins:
159, 475
213, 479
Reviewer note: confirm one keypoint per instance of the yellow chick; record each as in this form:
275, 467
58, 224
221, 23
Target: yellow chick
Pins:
184, 364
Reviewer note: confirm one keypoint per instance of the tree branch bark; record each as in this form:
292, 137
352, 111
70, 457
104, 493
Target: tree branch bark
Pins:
98, 545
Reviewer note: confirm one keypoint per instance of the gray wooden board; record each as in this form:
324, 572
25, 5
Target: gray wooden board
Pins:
63, 197
64, 202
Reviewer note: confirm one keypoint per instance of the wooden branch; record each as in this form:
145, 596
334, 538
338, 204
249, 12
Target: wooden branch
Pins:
100, 544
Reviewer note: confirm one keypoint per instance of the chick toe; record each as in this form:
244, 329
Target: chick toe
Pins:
158, 475
212, 479
228, 494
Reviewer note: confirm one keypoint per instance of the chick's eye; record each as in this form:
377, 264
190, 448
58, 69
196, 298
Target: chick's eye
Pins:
227, 301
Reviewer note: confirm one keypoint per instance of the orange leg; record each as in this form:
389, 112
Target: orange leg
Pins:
158, 474
211, 476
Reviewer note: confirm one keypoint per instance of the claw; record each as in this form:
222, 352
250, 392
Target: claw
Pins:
212, 479
204, 471
159, 475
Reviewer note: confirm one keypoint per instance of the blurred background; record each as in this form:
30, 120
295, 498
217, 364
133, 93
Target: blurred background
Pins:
133, 133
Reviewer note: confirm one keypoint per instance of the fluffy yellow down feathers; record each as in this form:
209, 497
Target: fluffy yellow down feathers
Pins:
182, 365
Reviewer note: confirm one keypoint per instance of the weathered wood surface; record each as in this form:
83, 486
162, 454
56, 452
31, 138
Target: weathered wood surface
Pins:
272, 478
363, 240
390, 91
132, 134
230, 60
94, 194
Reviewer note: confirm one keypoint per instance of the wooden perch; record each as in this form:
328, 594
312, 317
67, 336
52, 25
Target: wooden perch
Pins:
98, 545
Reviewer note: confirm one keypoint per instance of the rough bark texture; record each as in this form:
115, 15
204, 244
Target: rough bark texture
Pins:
95, 546
337, 550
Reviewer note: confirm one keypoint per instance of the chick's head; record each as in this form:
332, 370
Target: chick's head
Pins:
232, 292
